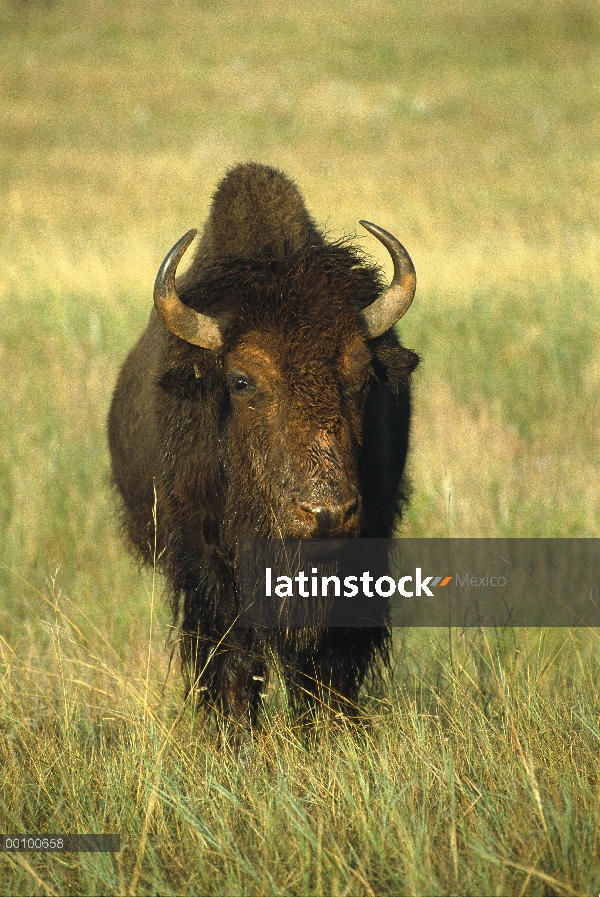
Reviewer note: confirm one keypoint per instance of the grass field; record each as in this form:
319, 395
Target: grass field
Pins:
470, 130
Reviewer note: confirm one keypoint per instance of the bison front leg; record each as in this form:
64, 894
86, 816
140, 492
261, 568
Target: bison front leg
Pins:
228, 678
321, 690
239, 682
330, 675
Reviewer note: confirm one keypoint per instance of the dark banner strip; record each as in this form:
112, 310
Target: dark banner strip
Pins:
60, 843
419, 582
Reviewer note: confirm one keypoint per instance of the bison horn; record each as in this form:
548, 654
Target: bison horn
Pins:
183, 321
395, 302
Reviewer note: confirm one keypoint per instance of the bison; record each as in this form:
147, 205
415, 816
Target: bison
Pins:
268, 397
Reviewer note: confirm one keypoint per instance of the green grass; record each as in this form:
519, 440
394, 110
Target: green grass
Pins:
471, 131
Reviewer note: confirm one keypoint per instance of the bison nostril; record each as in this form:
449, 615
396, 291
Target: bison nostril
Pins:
330, 517
351, 508
321, 515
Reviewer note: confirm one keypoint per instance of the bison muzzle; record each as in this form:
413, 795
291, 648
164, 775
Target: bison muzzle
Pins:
267, 398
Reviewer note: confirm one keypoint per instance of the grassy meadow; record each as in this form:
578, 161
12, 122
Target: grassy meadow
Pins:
470, 130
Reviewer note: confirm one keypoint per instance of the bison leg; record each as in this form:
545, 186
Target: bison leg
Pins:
239, 681
226, 676
331, 674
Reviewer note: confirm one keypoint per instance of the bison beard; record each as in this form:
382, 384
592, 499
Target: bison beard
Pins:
267, 398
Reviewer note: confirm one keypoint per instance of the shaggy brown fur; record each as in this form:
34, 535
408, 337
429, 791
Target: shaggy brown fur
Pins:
297, 412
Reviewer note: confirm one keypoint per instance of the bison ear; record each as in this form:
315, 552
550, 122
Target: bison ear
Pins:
187, 379
179, 381
192, 377
392, 363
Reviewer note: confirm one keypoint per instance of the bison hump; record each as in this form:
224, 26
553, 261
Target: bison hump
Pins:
256, 210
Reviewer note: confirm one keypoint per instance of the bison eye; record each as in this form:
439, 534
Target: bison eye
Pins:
240, 384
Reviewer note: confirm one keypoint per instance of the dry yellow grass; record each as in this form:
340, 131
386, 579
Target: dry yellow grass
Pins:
474, 477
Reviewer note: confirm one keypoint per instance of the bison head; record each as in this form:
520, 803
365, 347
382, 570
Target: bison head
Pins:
293, 346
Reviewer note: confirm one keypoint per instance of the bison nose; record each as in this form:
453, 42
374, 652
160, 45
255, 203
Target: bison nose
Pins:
329, 518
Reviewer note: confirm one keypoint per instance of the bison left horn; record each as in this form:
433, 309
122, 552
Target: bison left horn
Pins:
183, 321
395, 302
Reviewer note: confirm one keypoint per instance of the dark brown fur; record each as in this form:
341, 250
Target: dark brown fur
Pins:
325, 425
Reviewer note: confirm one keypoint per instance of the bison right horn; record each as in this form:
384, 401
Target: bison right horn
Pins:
395, 302
183, 321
